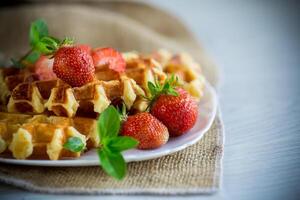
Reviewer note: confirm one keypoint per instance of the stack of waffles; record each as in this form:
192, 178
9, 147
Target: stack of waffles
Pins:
38, 116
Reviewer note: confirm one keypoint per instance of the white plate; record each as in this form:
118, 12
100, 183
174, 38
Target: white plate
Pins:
207, 112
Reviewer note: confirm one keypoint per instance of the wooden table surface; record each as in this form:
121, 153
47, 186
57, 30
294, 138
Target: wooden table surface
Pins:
256, 45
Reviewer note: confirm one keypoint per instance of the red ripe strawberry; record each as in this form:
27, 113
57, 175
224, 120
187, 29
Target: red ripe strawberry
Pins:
110, 57
178, 113
86, 48
44, 68
145, 128
73, 65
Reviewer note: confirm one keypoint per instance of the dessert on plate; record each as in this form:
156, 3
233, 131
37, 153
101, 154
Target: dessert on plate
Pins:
62, 99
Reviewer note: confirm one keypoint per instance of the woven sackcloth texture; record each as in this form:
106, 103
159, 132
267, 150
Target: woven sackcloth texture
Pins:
125, 26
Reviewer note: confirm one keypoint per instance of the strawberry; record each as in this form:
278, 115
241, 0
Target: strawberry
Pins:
145, 128
43, 68
73, 65
109, 56
178, 113
86, 48
173, 106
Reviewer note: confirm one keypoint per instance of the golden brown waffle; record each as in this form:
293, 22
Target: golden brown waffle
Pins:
30, 96
10, 78
59, 98
144, 70
88, 100
42, 137
185, 68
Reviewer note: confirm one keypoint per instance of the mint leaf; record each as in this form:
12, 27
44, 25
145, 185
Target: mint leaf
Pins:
46, 45
112, 163
111, 144
38, 29
16, 64
121, 143
33, 57
39, 39
74, 144
42, 48
109, 123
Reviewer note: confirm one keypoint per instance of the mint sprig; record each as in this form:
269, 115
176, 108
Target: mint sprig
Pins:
121, 143
111, 145
40, 43
109, 123
74, 144
38, 30
112, 163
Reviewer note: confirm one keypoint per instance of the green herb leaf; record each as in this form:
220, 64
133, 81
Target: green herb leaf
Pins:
156, 89
16, 64
121, 143
151, 88
67, 41
74, 144
33, 57
109, 123
46, 45
112, 163
111, 144
172, 91
38, 29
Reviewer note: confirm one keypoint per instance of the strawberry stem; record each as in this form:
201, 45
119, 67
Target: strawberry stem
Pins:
25, 56
156, 89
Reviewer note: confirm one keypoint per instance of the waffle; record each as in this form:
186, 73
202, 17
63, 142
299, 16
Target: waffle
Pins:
143, 70
62, 100
185, 68
10, 78
42, 137
90, 100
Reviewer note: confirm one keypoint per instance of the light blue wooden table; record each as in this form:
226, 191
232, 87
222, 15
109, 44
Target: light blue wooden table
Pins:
257, 46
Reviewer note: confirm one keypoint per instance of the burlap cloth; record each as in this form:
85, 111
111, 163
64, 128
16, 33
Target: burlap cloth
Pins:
125, 26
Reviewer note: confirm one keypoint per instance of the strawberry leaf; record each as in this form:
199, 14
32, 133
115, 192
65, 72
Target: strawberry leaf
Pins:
74, 144
156, 89
67, 41
112, 163
121, 143
109, 123
151, 88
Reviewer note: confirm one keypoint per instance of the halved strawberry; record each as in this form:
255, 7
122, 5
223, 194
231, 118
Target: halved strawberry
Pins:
109, 56
44, 68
